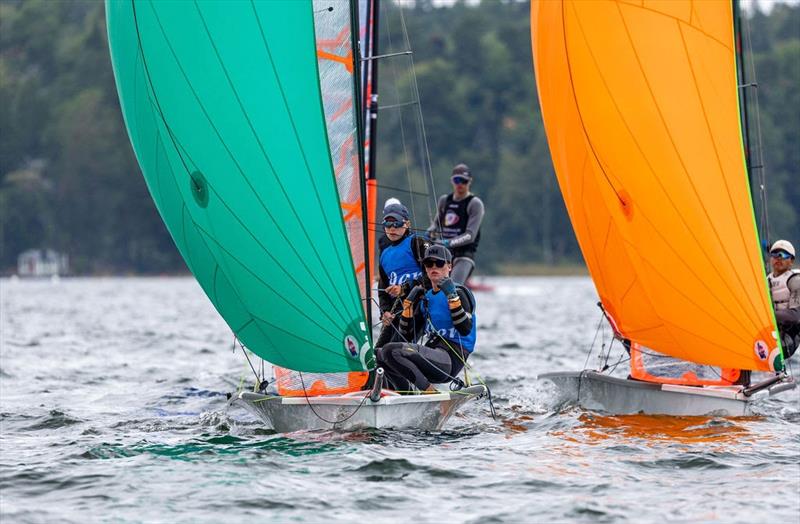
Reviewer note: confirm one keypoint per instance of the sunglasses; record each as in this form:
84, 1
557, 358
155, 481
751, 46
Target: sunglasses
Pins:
460, 180
393, 223
430, 263
781, 254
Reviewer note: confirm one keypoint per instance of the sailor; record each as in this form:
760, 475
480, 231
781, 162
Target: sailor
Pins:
399, 268
458, 223
446, 313
784, 284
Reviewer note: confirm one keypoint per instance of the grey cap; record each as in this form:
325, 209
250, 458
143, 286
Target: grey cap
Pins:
438, 252
396, 211
462, 170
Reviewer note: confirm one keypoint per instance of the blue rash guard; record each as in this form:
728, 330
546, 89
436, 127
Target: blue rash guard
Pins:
438, 319
399, 263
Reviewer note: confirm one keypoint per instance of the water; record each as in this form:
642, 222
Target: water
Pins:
112, 409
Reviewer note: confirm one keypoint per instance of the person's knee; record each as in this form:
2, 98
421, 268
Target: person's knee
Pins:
388, 353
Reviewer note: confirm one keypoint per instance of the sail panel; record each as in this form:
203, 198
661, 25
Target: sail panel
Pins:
223, 107
332, 25
640, 107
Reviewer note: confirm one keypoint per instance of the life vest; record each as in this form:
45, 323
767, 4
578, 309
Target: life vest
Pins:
399, 263
454, 217
782, 296
438, 320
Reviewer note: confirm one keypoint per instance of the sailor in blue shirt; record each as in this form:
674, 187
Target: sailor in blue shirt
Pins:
446, 314
399, 267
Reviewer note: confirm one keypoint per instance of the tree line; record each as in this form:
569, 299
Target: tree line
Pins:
69, 179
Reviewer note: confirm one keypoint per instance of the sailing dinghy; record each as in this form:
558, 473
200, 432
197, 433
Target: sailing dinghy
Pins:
246, 120
641, 108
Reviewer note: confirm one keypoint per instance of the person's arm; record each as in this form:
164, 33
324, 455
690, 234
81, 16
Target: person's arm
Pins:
794, 285
475, 212
459, 304
434, 227
410, 309
461, 312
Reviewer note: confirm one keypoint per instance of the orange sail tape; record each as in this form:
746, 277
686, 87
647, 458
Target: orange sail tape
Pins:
346, 60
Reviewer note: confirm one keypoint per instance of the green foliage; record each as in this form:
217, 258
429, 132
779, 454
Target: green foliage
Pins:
69, 179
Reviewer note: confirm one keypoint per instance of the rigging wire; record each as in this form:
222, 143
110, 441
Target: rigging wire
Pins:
244, 351
406, 163
421, 136
759, 157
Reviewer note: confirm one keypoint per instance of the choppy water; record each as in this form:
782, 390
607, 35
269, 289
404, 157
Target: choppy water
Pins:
112, 409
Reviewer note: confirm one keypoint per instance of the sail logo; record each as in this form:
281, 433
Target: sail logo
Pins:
450, 219
351, 345
761, 349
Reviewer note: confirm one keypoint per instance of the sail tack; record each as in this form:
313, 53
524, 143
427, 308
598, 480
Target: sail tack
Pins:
639, 100
226, 111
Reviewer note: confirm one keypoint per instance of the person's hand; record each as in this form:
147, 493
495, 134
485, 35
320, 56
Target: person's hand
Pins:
387, 318
415, 293
448, 286
394, 290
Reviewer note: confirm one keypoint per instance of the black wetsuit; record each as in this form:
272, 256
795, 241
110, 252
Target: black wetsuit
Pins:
436, 361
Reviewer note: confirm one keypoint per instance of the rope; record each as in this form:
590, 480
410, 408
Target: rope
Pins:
320, 417
235, 340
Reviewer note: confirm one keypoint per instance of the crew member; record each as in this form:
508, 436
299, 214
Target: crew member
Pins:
784, 284
399, 266
446, 313
458, 223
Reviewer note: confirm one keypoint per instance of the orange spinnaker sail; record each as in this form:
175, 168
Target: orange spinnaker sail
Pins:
639, 100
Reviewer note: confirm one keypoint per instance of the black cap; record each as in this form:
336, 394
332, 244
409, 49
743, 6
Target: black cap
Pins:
438, 252
462, 170
396, 211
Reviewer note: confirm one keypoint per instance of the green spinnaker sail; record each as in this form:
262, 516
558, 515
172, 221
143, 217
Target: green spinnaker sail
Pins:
223, 105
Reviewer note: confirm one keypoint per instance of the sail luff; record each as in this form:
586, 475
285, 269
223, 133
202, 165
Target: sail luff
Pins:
639, 104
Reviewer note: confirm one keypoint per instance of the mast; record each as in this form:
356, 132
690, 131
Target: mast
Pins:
371, 84
757, 163
362, 182
743, 86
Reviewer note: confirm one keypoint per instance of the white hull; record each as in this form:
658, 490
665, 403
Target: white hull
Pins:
355, 411
597, 392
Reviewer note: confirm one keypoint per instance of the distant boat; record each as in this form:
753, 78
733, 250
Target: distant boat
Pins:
246, 119
641, 109
42, 263
479, 285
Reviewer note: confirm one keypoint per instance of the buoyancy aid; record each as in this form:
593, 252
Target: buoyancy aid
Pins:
454, 218
782, 296
438, 320
399, 263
